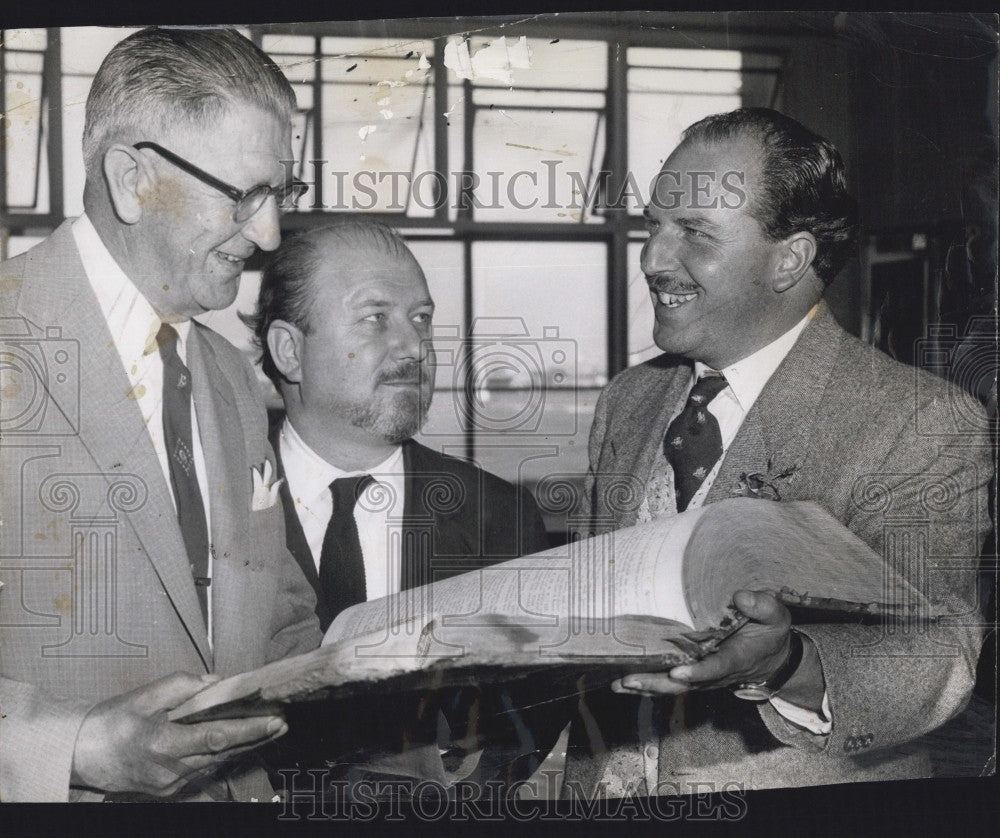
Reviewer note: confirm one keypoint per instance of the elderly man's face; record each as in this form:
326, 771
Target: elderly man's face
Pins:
707, 261
194, 252
367, 364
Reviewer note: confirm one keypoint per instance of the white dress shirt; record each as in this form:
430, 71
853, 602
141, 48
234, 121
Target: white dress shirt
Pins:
133, 325
378, 512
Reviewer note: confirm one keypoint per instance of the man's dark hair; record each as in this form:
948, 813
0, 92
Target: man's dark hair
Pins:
802, 180
286, 288
157, 77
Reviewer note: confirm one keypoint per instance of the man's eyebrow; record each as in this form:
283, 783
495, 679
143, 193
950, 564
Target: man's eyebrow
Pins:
697, 221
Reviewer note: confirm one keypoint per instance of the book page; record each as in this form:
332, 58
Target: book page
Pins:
634, 571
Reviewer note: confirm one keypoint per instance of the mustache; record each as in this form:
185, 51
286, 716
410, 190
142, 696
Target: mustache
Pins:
669, 284
407, 372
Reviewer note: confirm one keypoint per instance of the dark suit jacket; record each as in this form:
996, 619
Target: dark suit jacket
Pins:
457, 518
903, 460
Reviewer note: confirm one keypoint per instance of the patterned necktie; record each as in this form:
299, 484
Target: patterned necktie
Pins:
341, 563
693, 443
177, 437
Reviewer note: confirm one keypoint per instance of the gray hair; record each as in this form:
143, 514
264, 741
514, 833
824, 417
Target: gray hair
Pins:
156, 77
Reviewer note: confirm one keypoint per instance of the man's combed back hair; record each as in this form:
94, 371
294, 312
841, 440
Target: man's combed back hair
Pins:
157, 77
803, 182
287, 291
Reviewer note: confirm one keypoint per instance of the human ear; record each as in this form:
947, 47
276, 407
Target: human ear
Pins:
284, 342
797, 254
128, 180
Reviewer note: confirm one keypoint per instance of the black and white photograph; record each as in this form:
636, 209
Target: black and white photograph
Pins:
574, 416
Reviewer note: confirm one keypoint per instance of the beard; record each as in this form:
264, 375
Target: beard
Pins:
396, 415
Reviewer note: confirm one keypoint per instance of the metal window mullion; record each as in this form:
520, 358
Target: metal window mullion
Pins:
617, 160
53, 109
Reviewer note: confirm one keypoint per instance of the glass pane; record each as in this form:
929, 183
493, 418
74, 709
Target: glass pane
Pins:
84, 47
16, 245
546, 300
709, 59
385, 47
273, 44
655, 122
708, 82
373, 139
555, 63
27, 161
532, 166
442, 263
75, 90
28, 39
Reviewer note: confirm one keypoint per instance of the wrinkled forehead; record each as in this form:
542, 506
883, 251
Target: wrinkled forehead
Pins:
708, 175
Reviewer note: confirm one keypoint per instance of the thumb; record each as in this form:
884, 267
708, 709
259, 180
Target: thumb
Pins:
170, 691
761, 607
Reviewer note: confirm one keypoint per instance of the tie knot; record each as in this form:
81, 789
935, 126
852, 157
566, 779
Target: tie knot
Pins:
166, 341
707, 388
347, 490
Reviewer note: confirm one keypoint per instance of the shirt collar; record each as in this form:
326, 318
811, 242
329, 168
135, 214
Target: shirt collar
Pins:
131, 319
746, 378
309, 475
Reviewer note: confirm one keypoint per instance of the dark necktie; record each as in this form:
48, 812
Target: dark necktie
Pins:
341, 563
693, 443
177, 437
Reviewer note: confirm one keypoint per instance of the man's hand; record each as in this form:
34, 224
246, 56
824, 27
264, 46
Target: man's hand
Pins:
126, 743
752, 654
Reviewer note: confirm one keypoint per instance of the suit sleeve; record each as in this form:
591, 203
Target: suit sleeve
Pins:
37, 738
890, 684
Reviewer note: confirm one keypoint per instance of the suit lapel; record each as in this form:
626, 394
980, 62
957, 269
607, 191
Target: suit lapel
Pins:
445, 532
57, 293
777, 432
230, 490
638, 448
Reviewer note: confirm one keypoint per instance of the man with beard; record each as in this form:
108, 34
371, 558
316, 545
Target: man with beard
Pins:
344, 324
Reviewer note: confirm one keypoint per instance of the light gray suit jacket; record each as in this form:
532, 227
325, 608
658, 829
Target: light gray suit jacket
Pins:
97, 594
903, 460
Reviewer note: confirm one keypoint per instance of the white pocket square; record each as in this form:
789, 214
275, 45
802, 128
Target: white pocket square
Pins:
265, 494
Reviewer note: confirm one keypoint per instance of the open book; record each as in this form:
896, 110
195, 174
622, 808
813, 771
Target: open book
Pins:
639, 599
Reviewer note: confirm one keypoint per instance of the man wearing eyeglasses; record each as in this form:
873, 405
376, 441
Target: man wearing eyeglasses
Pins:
143, 552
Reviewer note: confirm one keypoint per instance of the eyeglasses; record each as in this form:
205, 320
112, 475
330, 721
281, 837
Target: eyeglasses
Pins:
247, 203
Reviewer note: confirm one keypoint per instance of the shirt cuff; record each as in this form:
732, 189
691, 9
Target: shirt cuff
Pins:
818, 723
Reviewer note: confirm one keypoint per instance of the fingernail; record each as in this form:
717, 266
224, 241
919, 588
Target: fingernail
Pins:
275, 725
632, 683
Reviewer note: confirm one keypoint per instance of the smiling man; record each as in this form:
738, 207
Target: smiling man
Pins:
760, 392
164, 570
344, 323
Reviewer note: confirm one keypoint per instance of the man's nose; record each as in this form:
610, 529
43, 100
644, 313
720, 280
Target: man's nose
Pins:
408, 340
659, 253
264, 226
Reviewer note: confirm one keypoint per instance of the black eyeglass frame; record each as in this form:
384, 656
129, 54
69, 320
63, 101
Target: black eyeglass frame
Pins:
245, 209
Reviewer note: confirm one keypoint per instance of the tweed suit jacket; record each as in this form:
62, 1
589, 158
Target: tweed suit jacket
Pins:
97, 594
901, 458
